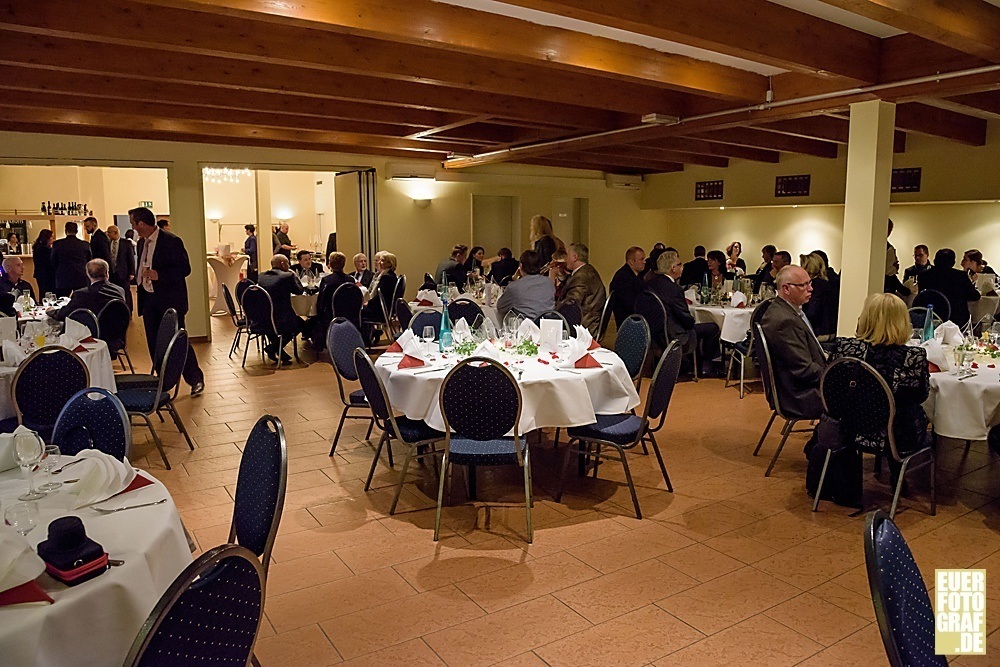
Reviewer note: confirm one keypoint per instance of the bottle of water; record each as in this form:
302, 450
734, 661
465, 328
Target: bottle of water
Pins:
444, 335
928, 324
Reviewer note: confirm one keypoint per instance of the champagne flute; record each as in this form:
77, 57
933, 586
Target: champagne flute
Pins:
22, 517
28, 453
50, 460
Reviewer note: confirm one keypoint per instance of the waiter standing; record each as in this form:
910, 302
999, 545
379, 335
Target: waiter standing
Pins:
160, 276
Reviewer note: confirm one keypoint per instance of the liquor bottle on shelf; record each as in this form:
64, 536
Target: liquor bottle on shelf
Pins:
43, 207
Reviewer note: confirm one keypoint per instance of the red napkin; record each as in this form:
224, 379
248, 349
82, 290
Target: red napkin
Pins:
88, 339
991, 365
137, 482
741, 304
26, 592
594, 345
424, 302
975, 365
79, 348
689, 301
395, 347
587, 361
932, 367
410, 362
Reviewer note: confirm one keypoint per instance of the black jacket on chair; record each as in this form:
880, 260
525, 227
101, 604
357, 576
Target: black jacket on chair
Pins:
956, 286
797, 358
69, 262
93, 297
281, 285
171, 263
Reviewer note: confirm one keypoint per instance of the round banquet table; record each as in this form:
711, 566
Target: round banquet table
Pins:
734, 323
965, 409
96, 357
95, 622
225, 274
488, 311
550, 398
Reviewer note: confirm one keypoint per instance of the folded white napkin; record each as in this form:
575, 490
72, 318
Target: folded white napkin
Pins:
405, 336
7, 461
461, 332
949, 333
529, 329
101, 477
76, 331
414, 348
19, 563
8, 328
936, 354
691, 295
12, 354
429, 295
575, 350
488, 350
739, 300
583, 335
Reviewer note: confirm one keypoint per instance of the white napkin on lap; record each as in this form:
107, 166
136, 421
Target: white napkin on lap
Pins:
101, 477
19, 563
461, 332
12, 354
739, 300
488, 350
936, 354
691, 295
8, 328
529, 329
950, 334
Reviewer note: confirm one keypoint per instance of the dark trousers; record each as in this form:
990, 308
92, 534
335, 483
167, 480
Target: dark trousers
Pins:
127, 287
152, 315
707, 334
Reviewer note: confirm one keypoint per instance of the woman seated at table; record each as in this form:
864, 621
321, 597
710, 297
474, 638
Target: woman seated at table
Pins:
383, 288
733, 263
974, 263
717, 273
824, 304
883, 331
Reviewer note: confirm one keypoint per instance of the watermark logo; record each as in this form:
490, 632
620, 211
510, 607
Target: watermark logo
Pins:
960, 616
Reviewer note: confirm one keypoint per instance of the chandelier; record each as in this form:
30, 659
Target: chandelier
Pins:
223, 174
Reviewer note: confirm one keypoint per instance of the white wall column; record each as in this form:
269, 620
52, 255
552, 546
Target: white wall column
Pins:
866, 207
187, 220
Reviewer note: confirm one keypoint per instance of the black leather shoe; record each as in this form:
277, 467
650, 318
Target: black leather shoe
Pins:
198, 389
285, 359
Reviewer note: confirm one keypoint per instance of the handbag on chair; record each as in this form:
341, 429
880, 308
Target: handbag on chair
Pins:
842, 484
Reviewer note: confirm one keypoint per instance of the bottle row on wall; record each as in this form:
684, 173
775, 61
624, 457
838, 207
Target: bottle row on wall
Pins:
64, 208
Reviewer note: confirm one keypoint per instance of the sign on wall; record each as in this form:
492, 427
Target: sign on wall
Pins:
146, 204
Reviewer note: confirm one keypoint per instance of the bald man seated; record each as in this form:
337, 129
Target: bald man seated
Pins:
95, 296
280, 283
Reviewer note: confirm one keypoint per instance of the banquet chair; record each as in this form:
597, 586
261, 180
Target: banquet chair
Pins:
606, 314
427, 318
347, 301
467, 308
429, 282
259, 311
164, 334
481, 403
632, 346
414, 434
397, 294
856, 395
93, 418
902, 605
744, 348
651, 307
766, 367
403, 314
342, 338
239, 320
241, 287
42, 385
942, 307
571, 311
210, 614
384, 324
87, 318
625, 431
919, 313
145, 402
113, 322
260, 489
555, 315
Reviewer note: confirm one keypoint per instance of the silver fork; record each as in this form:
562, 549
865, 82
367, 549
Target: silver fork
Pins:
104, 510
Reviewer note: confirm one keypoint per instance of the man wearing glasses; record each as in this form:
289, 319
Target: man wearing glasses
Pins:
796, 354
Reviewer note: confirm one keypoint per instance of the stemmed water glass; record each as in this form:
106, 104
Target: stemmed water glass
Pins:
22, 517
427, 337
49, 462
28, 452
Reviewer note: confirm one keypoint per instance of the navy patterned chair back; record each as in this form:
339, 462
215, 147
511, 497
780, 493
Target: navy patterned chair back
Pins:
347, 302
372, 386
400, 288
44, 383
169, 326
93, 418
87, 318
259, 311
113, 321
403, 313
260, 489
855, 394
342, 338
480, 400
554, 315
210, 615
235, 312
649, 306
632, 344
662, 384
427, 318
942, 307
571, 311
173, 362
241, 288
466, 308
762, 357
919, 313
902, 605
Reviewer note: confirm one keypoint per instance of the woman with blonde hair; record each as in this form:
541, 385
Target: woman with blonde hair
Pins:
883, 331
384, 286
543, 240
822, 308
733, 262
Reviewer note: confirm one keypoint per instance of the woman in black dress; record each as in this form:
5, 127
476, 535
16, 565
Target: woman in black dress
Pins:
41, 251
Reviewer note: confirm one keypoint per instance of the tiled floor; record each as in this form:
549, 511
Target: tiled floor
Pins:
730, 569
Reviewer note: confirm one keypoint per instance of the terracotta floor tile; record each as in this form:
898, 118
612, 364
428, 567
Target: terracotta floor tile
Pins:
701, 562
304, 646
325, 538
859, 605
862, 649
529, 659
452, 565
708, 521
815, 561
636, 638
387, 549
414, 653
635, 546
758, 641
816, 619
293, 575
527, 581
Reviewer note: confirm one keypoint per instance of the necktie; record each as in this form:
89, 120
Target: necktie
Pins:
114, 254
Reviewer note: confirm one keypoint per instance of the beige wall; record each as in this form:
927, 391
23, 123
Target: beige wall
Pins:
234, 205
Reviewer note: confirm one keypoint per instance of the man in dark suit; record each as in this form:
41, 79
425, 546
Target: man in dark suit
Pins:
584, 287
93, 297
324, 304
160, 277
502, 270
362, 275
680, 325
795, 351
921, 263
69, 261
280, 283
951, 282
694, 271
100, 243
122, 263
626, 284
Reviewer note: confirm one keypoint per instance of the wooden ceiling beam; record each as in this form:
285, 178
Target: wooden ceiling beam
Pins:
970, 26
711, 148
150, 63
625, 162
925, 119
772, 141
834, 129
755, 30
984, 105
658, 155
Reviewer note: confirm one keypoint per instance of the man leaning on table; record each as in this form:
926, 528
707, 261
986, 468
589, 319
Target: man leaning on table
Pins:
95, 296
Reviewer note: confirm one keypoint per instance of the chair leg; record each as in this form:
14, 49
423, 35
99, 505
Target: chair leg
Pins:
295, 349
763, 436
246, 349
378, 450
694, 363
663, 468
402, 476
235, 345
631, 484
160, 415
371, 425
729, 370
597, 459
388, 451
743, 366
340, 426
899, 488
131, 368
565, 467
527, 492
179, 423
822, 478
156, 438
437, 514
281, 350
785, 432
933, 484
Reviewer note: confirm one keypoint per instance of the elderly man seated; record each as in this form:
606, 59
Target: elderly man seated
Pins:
13, 269
95, 296
280, 283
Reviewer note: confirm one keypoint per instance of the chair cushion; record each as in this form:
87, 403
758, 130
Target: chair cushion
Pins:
141, 400
743, 347
465, 451
136, 381
357, 397
415, 430
619, 429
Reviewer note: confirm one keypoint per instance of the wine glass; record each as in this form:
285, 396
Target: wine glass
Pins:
49, 462
28, 451
22, 517
427, 337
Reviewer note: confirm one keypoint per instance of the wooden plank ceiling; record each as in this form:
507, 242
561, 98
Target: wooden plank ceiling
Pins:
748, 79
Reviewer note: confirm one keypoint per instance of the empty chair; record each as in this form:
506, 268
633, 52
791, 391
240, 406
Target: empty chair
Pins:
87, 318
42, 385
239, 321
625, 431
342, 338
467, 308
743, 349
571, 311
211, 613
902, 606
145, 402
403, 314
113, 322
427, 318
932, 297
632, 345
93, 418
347, 302
260, 489
918, 314
481, 403
241, 288
414, 434
169, 326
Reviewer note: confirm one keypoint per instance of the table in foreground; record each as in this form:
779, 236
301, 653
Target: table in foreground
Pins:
95, 622
967, 408
734, 323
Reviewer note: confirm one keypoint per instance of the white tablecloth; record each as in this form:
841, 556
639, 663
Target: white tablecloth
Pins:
550, 397
987, 305
224, 273
734, 323
488, 311
304, 305
98, 361
95, 622
965, 409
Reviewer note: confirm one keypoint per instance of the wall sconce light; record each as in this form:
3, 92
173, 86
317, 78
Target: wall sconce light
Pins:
422, 203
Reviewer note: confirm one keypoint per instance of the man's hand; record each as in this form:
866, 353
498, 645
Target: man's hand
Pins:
150, 274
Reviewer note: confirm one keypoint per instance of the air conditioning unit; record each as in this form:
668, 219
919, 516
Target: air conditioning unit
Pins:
404, 171
623, 181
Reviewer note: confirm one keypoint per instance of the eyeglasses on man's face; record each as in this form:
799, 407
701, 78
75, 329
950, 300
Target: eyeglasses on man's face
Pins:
808, 284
